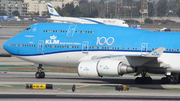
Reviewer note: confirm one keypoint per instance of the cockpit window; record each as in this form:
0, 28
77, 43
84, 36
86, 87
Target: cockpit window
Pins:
124, 22
29, 28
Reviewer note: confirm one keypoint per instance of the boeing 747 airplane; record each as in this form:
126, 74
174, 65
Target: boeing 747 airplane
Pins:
98, 50
57, 18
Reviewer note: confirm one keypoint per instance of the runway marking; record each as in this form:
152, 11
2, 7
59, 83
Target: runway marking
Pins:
83, 86
5, 85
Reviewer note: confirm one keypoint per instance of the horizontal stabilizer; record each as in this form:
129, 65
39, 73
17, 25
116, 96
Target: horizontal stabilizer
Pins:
156, 53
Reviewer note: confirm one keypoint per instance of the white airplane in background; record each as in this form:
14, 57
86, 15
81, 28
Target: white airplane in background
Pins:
57, 18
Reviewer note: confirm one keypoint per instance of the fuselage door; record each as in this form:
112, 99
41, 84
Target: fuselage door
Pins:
40, 46
144, 48
71, 30
85, 45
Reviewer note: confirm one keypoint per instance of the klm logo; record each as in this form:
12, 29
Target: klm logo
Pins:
106, 67
155, 54
86, 69
52, 40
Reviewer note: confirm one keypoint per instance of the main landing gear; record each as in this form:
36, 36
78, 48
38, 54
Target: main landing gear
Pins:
39, 73
171, 79
144, 79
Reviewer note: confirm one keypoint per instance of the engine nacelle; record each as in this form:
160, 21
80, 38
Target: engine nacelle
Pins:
88, 69
104, 67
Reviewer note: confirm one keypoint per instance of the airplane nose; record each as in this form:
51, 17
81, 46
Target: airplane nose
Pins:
5, 46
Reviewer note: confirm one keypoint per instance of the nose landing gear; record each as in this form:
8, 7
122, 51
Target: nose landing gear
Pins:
39, 73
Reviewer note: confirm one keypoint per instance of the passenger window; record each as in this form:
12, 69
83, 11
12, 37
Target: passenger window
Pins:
77, 46
177, 49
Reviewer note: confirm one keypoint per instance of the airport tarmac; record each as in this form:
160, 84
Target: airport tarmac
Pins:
13, 85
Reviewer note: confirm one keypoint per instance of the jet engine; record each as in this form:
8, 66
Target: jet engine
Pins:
105, 67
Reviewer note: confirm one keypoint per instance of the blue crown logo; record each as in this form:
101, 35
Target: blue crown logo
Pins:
53, 37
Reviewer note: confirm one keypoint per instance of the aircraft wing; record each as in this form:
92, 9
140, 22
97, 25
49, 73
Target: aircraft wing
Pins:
150, 59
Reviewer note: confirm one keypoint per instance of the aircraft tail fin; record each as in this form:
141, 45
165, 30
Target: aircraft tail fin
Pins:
53, 13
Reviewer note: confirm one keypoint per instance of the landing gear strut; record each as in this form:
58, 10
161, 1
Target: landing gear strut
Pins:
39, 73
144, 79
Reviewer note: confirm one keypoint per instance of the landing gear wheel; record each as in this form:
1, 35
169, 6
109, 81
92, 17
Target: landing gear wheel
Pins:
42, 74
145, 80
138, 80
39, 73
164, 80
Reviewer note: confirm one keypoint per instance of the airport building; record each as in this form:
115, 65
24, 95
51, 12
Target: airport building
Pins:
31, 6
10, 6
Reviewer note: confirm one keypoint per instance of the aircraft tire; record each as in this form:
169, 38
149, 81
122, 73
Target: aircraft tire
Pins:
138, 80
164, 80
42, 75
173, 80
147, 80
37, 75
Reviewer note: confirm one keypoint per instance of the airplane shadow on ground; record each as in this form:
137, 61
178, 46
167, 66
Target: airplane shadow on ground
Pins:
109, 81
